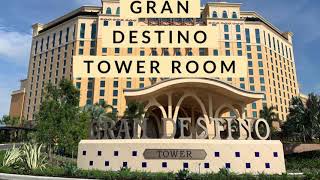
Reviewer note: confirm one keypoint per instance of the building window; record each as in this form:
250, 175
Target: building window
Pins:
251, 79
129, 84
254, 114
106, 23
214, 14
226, 28
117, 50
114, 102
250, 71
202, 51
242, 86
261, 72
238, 36
227, 44
118, 11
89, 94
234, 15
109, 11
224, 14
82, 30
177, 52
142, 53
104, 50
238, 28
154, 52
215, 52
101, 92
254, 106
247, 36
226, 37
228, 53
91, 163
115, 93
130, 23
118, 23
129, 50
257, 31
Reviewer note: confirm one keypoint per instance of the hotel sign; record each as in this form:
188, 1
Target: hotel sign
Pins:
180, 154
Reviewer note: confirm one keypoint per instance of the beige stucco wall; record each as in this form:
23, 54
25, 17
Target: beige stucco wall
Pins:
227, 154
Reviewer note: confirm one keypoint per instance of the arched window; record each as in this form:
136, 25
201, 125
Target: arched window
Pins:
234, 15
214, 14
224, 14
109, 11
118, 11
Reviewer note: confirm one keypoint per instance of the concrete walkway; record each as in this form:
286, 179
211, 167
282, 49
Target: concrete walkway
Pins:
24, 177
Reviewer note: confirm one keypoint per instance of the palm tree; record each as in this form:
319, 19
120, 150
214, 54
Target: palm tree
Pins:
99, 115
269, 114
304, 119
135, 110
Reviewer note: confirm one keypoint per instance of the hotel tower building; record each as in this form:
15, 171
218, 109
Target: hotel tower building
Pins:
269, 52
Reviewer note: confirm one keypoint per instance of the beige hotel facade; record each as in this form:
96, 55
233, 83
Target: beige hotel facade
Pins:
269, 52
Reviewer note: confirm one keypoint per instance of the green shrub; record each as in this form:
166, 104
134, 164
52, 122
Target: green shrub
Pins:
12, 157
32, 157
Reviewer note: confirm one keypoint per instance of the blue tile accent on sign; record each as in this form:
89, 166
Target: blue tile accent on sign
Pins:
144, 164
248, 165
116, 153
185, 165
106, 163
237, 154
216, 154
206, 165
257, 154
164, 164
134, 153
228, 165
268, 165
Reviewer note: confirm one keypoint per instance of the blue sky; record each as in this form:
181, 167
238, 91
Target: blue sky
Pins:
17, 16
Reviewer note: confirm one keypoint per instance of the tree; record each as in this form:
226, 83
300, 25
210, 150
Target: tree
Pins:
269, 115
135, 110
303, 119
10, 121
59, 122
98, 114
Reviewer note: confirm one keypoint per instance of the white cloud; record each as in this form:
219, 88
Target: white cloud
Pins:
14, 46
